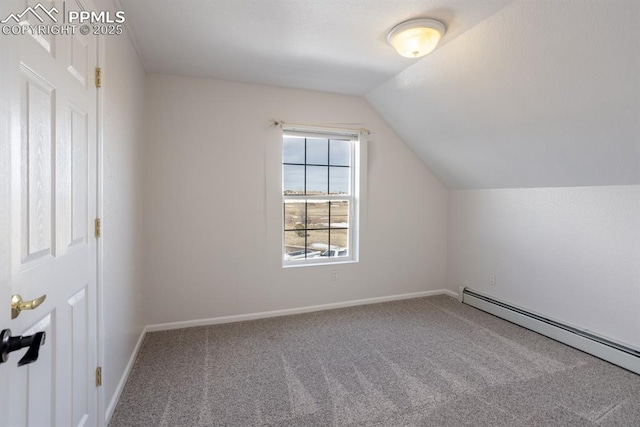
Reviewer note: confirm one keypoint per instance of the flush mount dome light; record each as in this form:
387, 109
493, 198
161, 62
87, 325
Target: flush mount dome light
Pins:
417, 37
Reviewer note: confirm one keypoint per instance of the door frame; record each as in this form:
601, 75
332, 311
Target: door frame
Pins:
100, 333
100, 60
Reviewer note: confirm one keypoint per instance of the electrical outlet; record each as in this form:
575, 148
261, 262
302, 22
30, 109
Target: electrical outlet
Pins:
334, 275
492, 280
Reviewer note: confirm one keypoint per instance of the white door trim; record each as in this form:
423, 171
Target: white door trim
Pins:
99, 245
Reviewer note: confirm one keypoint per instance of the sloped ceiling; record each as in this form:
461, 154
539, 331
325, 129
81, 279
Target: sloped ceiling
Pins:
326, 45
542, 94
518, 94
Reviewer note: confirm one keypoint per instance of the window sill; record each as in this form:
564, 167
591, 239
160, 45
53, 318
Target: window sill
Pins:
316, 264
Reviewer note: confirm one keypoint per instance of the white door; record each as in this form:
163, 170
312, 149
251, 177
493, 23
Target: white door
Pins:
48, 190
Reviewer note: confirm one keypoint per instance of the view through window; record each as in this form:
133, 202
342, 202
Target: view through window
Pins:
318, 189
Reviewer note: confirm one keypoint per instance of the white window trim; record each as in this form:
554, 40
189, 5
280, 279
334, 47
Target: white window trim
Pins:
358, 190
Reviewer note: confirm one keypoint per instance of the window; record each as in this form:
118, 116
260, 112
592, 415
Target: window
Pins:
319, 195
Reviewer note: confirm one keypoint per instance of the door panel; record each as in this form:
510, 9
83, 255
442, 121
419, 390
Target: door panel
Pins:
26, 407
80, 392
79, 179
38, 118
79, 59
41, 16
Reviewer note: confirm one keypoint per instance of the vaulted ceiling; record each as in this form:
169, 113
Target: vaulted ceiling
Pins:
542, 94
518, 94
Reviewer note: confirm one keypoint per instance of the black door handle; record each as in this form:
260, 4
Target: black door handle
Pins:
10, 344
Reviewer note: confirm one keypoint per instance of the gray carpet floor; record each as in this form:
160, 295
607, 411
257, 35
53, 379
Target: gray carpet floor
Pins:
420, 362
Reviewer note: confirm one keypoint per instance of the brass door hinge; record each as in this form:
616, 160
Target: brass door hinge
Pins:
98, 77
98, 376
98, 228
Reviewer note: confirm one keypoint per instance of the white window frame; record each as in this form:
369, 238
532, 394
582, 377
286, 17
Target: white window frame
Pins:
358, 153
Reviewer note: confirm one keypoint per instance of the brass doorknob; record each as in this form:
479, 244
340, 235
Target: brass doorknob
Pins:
17, 304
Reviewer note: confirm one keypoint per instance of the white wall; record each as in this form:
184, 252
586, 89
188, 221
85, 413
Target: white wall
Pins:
123, 106
572, 254
212, 197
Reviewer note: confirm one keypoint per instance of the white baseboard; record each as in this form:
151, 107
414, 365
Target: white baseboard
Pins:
451, 293
290, 311
123, 379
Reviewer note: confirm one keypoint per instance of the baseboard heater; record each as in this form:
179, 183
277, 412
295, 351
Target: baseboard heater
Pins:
600, 347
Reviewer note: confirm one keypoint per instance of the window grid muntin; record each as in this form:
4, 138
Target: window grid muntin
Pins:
315, 199
328, 229
328, 197
328, 165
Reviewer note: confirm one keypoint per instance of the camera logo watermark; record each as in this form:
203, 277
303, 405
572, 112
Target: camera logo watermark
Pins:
73, 21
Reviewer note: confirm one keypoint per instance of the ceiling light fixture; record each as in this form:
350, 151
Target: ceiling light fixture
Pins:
417, 37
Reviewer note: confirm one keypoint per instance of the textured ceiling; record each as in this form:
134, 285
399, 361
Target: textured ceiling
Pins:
540, 94
327, 45
525, 93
